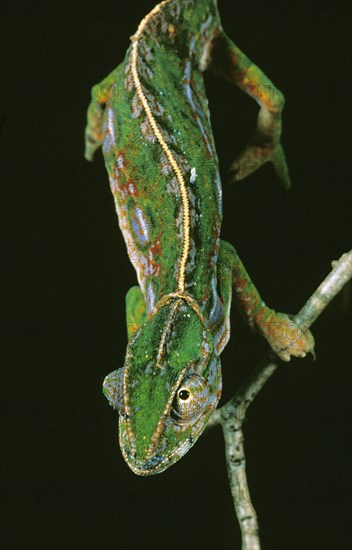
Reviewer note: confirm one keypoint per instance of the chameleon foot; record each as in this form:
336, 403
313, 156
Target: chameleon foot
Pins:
255, 156
285, 338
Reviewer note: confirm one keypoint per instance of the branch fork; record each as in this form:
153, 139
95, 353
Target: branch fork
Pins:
232, 415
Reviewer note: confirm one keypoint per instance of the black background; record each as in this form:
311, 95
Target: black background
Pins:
64, 483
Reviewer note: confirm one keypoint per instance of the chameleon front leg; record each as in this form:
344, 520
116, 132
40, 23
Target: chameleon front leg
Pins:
284, 337
100, 93
228, 61
136, 312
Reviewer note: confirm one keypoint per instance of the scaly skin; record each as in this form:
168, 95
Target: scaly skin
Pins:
164, 175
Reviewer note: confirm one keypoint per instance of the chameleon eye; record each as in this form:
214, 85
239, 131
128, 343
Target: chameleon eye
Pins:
191, 399
184, 395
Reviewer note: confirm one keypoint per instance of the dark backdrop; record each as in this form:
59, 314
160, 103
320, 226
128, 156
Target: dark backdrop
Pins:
64, 483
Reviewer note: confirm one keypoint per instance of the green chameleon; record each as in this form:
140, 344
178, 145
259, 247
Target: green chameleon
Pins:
152, 119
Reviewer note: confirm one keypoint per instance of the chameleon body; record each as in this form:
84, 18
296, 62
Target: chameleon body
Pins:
152, 119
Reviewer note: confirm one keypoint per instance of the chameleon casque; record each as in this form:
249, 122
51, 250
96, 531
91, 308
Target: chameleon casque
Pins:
152, 119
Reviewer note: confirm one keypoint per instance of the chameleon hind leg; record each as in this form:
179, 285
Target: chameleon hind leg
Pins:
284, 337
100, 94
136, 314
228, 61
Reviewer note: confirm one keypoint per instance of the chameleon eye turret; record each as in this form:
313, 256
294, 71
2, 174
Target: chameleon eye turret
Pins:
191, 399
152, 119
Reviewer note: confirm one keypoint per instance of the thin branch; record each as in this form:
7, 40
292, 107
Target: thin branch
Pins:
329, 288
236, 469
231, 415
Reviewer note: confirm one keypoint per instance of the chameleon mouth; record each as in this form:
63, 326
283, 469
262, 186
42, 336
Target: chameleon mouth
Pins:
157, 463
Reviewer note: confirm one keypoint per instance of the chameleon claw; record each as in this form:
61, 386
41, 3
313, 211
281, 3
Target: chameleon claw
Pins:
285, 338
253, 157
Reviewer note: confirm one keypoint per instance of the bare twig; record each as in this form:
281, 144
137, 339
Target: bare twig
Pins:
236, 469
231, 415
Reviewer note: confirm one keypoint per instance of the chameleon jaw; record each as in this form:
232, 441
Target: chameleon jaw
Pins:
156, 464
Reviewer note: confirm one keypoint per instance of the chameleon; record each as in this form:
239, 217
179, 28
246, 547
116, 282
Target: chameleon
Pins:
152, 119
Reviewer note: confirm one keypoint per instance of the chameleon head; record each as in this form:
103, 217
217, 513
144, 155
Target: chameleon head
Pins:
166, 391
